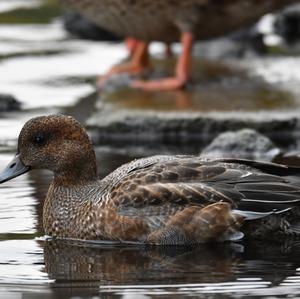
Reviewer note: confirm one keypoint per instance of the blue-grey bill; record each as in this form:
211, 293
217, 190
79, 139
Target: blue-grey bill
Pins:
13, 169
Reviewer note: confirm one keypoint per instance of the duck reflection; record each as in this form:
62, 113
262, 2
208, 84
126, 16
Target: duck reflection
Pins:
132, 264
98, 265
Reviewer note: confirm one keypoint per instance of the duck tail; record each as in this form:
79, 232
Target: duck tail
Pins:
294, 229
250, 215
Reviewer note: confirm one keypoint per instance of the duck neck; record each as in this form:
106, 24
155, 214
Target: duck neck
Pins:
77, 174
66, 208
73, 178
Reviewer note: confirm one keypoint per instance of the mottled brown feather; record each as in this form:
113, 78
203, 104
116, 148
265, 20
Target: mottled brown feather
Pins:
164, 20
160, 199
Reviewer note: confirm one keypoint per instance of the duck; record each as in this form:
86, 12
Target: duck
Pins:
169, 21
158, 200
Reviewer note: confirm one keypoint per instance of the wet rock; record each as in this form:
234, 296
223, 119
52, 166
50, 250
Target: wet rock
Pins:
221, 98
287, 24
243, 43
116, 82
9, 103
110, 125
83, 28
246, 143
251, 41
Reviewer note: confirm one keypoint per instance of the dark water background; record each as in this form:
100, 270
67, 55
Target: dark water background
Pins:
38, 65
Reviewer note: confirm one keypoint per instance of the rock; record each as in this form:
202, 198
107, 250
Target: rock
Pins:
83, 28
9, 103
254, 43
290, 158
116, 83
221, 98
287, 24
111, 125
242, 43
246, 143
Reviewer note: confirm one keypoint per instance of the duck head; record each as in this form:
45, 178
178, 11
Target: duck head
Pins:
58, 143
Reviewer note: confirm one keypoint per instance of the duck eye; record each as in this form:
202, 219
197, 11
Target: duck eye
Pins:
39, 140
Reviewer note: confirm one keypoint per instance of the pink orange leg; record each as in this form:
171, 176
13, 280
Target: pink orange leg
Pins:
139, 61
131, 44
183, 69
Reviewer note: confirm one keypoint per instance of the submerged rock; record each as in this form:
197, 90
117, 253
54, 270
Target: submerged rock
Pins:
9, 103
246, 143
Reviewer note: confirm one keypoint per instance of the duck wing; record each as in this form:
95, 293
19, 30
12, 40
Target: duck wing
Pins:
165, 187
265, 186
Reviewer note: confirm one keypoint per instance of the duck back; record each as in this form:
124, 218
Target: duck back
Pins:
164, 20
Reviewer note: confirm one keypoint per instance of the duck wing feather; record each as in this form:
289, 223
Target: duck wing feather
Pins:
164, 187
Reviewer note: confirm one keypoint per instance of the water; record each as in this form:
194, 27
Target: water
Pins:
49, 72
37, 62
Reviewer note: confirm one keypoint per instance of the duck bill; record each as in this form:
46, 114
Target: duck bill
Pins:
13, 169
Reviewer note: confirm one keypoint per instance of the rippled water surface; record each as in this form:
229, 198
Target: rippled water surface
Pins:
37, 65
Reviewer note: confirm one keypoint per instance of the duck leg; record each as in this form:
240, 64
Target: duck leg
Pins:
131, 45
182, 73
139, 61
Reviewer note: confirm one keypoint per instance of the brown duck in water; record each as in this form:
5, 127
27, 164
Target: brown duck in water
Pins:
170, 21
157, 200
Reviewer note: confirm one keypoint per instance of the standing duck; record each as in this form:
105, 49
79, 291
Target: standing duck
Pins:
171, 21
161, 200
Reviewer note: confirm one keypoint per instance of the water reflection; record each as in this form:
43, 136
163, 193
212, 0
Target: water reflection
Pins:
232, 95
109, 264
222, 268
